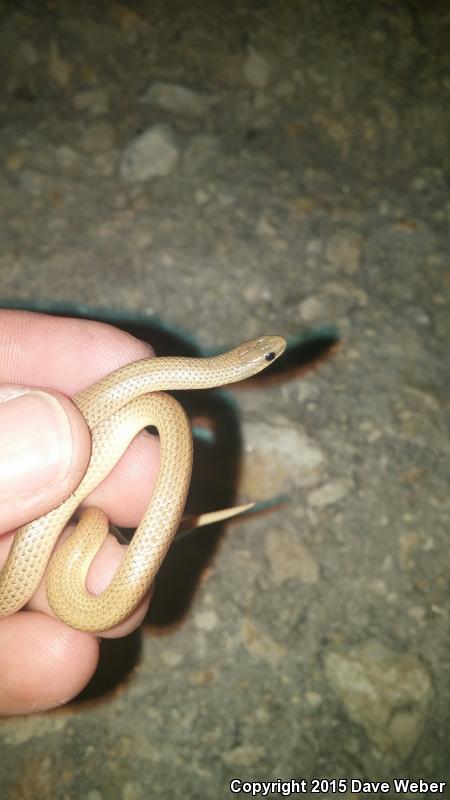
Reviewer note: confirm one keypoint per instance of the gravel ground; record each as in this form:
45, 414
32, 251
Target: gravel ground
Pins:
266, 167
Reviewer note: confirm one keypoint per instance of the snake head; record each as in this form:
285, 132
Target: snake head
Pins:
258, 353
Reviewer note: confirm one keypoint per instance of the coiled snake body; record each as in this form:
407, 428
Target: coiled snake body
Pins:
116, 409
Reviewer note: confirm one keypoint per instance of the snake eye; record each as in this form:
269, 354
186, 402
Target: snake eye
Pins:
269, 356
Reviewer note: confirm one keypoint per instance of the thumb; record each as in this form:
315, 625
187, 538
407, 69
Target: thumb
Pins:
44, 451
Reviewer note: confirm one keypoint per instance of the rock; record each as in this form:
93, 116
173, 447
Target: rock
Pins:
314, 699
27, 54
256, 69
277, 457
261, 101
95, 101
329, 493
288, 558
60, 71
335, 300
344, 250
66, 156
258, 642
244, 755
199, 153
206, 620
177, 99
285, 89
385, 692
152, 154
265, 227
171, 658
311, 309
98, 137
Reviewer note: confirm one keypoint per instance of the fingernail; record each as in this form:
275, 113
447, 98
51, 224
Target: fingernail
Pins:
35, 441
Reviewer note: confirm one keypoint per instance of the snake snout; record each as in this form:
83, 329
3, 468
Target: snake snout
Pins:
261, 351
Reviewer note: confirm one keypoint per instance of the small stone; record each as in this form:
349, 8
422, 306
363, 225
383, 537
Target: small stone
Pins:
388, 115
60, 71
201, 197
307, 391
177, 99
329, 493
95, 101
67, 156
28, 55
14, 160
288, 558
285, 89
132, 791
244, 755
172, 658
409, 542
203, 677
131, 23
256, 69
142, 238
151, 154
344, 250
257, 642
261, 100
338, 132
206, 620
314, 699
265, 227
200, 152
385, 692
94, 794
277, 457
311, 309
335, 300
98, 137
417, 613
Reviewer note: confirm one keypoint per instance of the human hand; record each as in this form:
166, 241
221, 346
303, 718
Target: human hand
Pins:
44, 452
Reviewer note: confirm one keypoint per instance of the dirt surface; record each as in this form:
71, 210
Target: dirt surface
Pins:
232, 169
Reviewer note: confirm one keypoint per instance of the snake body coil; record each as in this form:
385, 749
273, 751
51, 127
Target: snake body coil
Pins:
116, 409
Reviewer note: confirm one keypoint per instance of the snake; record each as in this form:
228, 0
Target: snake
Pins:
115, 409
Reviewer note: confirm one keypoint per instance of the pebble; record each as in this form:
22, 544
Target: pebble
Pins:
307, 391
311, 309
256, 69
288, 558
275, 458
59, 70
152, 154
200, 152
94, 794
285, 89
177, 99
95, 101
314, 699
132, 790
258, 642
171, 658
27, 54
66, 156
344, 251
98, 137
385, 692
204, 676
206, 620
335, 301
329, 493
244, 755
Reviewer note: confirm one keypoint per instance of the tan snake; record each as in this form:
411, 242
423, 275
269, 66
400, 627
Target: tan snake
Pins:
116, 409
